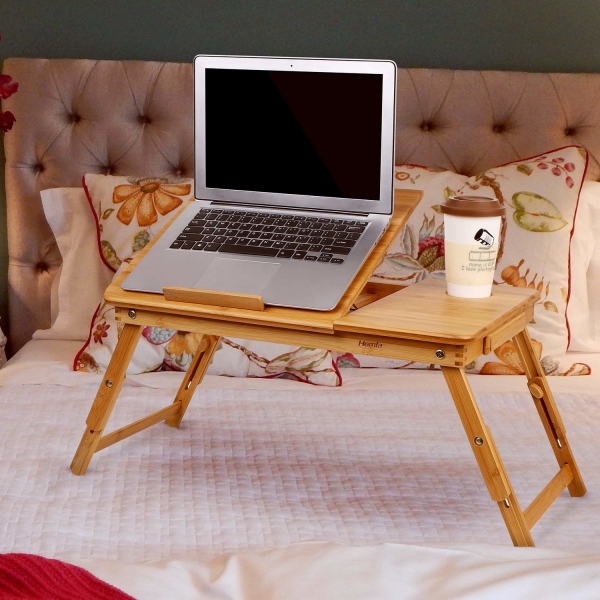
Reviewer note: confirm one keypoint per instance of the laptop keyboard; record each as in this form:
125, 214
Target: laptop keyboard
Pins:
271, 234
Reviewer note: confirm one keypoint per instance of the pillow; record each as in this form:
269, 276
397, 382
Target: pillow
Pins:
128, 213
583, 311
541, 194
82, 277
54, 298
168, 349
593, 280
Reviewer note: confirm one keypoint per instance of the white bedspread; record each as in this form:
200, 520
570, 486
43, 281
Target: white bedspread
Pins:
259, 465
326, 571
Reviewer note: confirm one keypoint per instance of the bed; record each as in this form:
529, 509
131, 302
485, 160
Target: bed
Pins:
273, 486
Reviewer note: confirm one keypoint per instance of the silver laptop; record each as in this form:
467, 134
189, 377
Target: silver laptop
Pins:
294, 161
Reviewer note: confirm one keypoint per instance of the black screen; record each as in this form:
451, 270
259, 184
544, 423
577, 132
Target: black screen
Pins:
315, 134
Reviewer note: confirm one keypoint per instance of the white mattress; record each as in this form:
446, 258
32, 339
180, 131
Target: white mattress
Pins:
261, 464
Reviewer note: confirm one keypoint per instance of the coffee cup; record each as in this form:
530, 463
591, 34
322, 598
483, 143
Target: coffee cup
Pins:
472, 237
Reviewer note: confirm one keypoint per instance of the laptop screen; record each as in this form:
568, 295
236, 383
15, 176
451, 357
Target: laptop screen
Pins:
294, 132
307, 133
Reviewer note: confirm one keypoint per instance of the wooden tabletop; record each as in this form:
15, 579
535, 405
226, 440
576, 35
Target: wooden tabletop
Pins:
405, 202
425, 311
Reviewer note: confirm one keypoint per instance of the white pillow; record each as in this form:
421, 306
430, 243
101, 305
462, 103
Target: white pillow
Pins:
593, 281
583, 311
83, 277
54, 296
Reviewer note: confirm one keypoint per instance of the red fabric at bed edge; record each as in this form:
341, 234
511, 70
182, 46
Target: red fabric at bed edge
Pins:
31, 576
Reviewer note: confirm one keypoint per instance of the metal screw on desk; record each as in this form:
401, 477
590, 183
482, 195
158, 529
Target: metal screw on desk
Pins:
478, 441
108, 383
132, 314
440, 353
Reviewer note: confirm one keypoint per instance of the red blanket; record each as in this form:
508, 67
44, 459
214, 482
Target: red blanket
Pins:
30, 576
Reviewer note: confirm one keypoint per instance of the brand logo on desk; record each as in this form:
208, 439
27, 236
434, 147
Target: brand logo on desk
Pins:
366, 344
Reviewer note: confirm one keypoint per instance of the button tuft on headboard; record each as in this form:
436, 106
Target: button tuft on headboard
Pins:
427, 126
74, 118
569, 131
41, 267
143, 119
499, 128
38, 167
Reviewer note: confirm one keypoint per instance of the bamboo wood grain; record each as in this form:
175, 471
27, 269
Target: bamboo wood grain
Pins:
535, 374
547, 496
426, 311
388, 347
507, 331
512, 514
106, 398
535, 390
115, 373
193, 377
515, 522
405, 202
421, 312
85, 450
124, 432
365, 298
213, 298
381, 290
542, 396
548, 411
487, 456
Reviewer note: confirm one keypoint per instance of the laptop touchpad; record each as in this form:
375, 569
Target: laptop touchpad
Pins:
237, 275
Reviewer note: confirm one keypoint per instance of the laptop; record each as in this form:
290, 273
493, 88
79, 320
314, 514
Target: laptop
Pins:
294, 164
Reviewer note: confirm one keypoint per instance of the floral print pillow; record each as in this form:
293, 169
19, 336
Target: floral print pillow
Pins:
167, 349
129, 211
541, 196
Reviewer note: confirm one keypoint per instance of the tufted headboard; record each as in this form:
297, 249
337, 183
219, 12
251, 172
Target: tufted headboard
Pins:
136, 118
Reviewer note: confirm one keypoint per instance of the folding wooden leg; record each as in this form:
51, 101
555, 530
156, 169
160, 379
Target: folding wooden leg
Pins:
548, 411
486, 454
194, 375
106, 398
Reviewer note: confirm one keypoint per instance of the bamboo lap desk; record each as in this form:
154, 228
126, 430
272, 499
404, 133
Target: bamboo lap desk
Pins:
419, 323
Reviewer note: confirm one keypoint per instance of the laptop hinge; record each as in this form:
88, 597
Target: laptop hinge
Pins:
270, 206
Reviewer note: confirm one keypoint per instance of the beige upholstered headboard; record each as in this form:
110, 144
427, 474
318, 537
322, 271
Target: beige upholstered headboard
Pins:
135, 118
